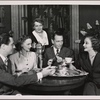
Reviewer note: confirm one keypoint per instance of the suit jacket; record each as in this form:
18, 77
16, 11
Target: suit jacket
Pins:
8, 81
49, 54
94, 70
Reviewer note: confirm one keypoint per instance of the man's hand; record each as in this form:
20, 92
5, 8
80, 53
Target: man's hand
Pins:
59, 59
48, 71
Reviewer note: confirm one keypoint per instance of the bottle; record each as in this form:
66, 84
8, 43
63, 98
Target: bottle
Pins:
39, 52
40, 61
39, 48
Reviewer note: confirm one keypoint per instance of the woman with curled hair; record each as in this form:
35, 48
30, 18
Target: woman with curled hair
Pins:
39, 35
24, 61
90, 62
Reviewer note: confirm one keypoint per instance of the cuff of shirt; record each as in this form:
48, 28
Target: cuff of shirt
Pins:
39, 75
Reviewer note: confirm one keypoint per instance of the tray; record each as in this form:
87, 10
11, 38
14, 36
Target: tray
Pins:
82, 73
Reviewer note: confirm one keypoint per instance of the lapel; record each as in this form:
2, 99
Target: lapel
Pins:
96, 60
86, 62
2, 65
52, 51
61, 52
38, 37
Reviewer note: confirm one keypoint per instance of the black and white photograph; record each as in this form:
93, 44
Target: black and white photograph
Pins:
50, 49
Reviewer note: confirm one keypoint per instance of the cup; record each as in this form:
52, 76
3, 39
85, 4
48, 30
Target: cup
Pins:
68, 59
62, 71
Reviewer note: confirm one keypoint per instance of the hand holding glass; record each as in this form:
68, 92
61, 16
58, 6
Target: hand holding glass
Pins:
68, 60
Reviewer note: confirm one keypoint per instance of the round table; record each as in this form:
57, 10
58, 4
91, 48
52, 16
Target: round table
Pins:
52, 84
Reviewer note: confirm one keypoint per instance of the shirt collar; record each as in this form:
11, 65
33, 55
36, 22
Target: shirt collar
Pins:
55, 50
3, 58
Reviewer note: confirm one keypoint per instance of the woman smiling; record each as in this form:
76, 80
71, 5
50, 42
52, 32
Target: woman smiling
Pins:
24, 61
90, 62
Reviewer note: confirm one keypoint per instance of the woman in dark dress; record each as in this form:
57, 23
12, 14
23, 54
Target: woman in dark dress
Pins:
90, 62
39, 35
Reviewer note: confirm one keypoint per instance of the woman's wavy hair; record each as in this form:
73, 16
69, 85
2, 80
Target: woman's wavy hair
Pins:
95, 42
37, 20
21, 41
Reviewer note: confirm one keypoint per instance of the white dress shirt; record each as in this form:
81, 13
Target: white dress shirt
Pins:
3, 58
55, 50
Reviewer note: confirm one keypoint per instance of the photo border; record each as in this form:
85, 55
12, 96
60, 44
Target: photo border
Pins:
34, 2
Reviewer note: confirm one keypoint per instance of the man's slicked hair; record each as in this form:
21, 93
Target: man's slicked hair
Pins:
57, 33
4, 38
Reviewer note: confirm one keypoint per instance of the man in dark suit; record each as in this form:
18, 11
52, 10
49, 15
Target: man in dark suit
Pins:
7, 81
56, 53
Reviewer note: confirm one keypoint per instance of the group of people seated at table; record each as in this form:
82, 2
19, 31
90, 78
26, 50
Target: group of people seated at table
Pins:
21, 68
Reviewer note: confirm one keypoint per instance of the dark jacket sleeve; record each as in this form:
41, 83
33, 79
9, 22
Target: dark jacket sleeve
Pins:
69, 53
11, 80
79, 61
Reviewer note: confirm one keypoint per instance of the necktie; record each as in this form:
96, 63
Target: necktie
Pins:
57, 51
6, 63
